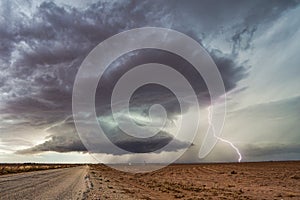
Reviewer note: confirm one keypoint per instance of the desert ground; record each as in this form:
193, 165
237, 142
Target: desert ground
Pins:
264, 180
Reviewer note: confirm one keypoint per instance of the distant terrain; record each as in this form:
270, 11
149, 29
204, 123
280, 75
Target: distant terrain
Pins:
27, 167
262, 180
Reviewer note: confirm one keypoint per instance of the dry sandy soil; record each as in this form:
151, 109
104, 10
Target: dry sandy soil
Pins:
268, 180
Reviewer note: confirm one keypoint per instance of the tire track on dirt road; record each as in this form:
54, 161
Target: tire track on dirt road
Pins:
67, 183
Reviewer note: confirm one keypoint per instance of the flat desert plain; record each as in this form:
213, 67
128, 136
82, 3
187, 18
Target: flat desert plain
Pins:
262, 180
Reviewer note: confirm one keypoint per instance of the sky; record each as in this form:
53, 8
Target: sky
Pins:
254, 44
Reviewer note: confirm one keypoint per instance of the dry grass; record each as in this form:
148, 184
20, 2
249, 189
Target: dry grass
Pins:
18, 168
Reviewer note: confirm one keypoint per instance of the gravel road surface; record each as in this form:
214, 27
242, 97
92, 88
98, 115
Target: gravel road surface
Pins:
67, 183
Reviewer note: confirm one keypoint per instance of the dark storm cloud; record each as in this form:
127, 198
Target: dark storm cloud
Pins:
66, 140
40, 53
150, 94
60, 144
64, 144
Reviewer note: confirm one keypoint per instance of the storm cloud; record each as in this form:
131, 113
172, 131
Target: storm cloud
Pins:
43, 45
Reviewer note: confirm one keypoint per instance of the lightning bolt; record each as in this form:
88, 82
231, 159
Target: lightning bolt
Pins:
219, 138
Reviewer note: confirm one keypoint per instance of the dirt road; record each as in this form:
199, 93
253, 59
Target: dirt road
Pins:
68, 183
